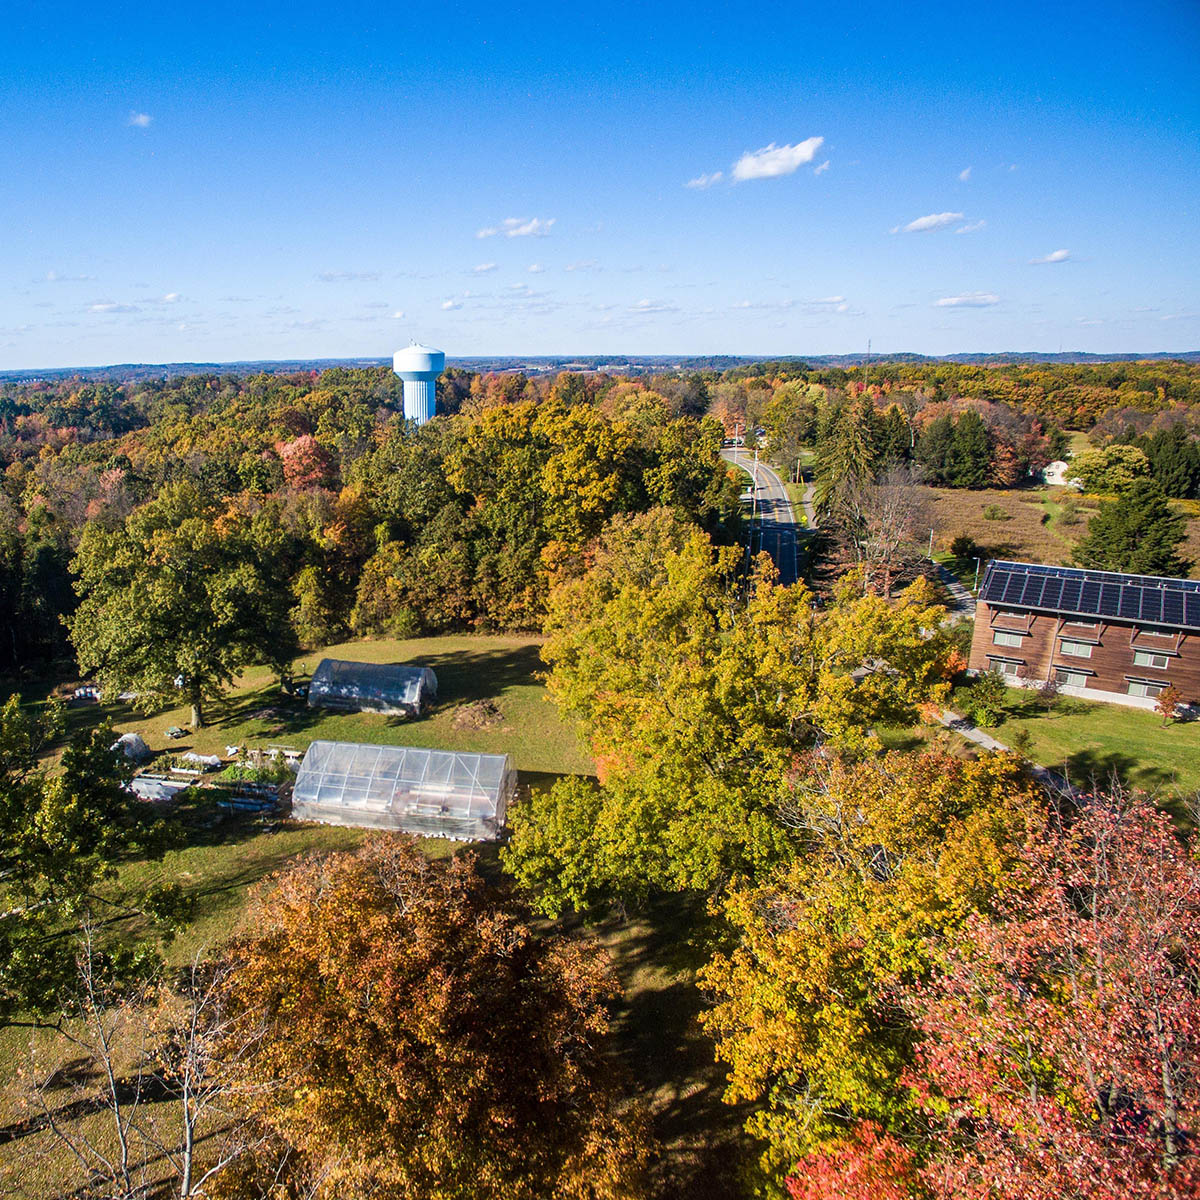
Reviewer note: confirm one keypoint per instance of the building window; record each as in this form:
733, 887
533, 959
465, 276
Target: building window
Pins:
1005, 666
1084, 626
1142, 687
1069, 678
1001, 638
1075, 649
1144, 658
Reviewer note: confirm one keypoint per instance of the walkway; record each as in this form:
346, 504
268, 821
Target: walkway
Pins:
972, 732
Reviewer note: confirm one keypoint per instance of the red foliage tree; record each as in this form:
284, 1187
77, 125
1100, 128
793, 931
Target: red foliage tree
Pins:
1060, 1057
306, 463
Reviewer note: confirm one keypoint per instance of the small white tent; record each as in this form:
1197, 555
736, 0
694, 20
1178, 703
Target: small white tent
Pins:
133, 746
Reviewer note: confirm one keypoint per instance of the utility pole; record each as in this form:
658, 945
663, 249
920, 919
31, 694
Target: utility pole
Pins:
931, 545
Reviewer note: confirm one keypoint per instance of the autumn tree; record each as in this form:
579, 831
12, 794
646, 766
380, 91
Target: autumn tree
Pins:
1138, 532
1061, 1047
422, 1040
62, 835
695, 699
894, 854
177, 600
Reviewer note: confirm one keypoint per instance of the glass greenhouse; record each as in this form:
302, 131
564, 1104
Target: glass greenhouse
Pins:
373, 687
438, 793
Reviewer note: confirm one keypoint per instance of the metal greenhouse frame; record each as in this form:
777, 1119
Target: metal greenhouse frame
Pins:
374, 687
437, 793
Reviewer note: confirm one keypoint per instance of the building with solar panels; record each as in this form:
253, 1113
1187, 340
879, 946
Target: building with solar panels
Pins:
1099, 634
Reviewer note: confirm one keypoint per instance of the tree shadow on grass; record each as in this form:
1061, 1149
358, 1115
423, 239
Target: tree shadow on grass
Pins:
660, 1044
1103, 770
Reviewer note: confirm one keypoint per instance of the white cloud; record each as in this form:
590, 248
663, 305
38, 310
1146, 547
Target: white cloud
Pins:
519, 227
822, 168
535, 268
584, 264
398, 315
111, 306
1055, 256
348, 276
968, 300
651, 306
484, 268
831, 300
971, 227
772, 160
932, 221
140, 120
57, 277
705, 181
170, 298
450, 305
964, 175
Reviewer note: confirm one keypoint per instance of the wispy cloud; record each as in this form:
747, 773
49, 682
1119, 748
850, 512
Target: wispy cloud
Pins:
932, 221
705, 181
349, 276
518, 227
451, 305
398, 315
1055, 256
483, 268
111, 306
964, 175
970, 227
772, 161
584, 264
140, 120
535, 268
822, 168
170, 298
968, 300
58, 277
652, 306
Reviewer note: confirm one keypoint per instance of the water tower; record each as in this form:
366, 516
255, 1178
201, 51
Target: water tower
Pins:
419, 367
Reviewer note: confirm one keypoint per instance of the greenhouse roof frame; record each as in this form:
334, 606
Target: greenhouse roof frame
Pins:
439, 793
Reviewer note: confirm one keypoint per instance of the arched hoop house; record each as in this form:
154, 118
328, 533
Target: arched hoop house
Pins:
372, 687
438, 793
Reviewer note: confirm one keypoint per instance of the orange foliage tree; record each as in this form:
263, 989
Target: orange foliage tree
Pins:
423, 1041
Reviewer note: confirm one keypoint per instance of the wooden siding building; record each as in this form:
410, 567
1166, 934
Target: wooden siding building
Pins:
1101, 635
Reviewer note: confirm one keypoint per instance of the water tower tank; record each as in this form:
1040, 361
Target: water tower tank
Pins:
419, 367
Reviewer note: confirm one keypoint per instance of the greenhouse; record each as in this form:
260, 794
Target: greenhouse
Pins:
437, 793
372, 687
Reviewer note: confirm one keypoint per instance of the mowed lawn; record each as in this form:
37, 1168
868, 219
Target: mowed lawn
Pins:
494, 678
1090, 742
491, 699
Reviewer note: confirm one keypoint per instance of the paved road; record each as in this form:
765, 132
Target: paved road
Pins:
775, 530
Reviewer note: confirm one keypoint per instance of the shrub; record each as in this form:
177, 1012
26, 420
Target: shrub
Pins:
963, 546
993, 512
983, 702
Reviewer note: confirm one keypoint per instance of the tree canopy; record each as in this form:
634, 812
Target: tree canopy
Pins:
421, 1040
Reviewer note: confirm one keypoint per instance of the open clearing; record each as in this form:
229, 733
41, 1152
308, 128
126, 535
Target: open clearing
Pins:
491, 699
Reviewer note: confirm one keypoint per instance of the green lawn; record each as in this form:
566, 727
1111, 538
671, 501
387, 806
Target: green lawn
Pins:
1086, 741
502, 670
656, 1037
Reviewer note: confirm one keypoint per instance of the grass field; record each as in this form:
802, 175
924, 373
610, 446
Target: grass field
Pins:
1087, 741
655, 1037
503, 670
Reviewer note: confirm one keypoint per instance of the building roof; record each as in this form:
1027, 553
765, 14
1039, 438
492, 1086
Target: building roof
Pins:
1146, 599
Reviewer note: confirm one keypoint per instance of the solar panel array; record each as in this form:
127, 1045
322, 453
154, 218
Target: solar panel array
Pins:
1146, 599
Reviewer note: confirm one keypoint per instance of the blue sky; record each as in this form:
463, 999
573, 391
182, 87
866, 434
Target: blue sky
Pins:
244, 181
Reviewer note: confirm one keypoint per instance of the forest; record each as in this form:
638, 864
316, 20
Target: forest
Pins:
921, 973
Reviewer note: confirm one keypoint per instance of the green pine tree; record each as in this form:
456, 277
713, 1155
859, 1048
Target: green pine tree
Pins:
1138, 532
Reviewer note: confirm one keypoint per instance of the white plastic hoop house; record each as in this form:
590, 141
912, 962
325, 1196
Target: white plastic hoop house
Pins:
372, 687
437, 793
